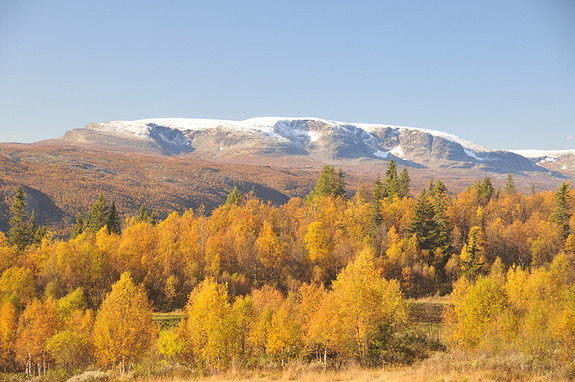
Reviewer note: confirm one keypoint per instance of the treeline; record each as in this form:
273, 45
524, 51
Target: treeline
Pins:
320, 278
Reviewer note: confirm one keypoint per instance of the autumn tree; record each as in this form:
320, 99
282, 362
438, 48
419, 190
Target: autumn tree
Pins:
123, 330
207, 326
38, 323
8, 330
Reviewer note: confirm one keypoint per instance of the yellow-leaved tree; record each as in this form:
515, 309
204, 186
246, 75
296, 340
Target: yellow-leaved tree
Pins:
124, 329
38, 323
208, 327
360, 311
8, 327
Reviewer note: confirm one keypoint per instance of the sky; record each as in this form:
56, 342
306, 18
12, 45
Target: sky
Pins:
498, 73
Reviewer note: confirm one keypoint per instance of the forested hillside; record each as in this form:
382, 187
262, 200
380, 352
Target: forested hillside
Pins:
322, 279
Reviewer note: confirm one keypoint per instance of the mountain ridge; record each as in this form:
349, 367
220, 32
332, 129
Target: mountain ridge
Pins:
315, 138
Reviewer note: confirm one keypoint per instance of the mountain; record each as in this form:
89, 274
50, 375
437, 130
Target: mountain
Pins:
298, 138
556, 160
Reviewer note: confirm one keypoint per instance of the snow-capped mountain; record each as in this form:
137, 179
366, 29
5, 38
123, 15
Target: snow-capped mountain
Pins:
553, 159
313, 137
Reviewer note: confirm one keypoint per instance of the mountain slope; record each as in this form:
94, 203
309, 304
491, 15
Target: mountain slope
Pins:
309, 138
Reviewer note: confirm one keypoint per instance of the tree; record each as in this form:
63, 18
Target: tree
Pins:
235, 198
8, 329
123, 330
509, 186
208, 325
38, 323
473, 254
391, 181
17, 285
113, 221
561, 213
69, 349
318, 242
269, 248
98, 215
79, 227
330, 182
359, 307
403, 183
19, 232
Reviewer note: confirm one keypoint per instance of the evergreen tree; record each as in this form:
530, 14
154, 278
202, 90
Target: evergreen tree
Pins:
561, 215
472, 255
79, 227
391, 181
235, 197
142, 215
113, 221
403, 184
509, 186
375, 215
330, 182
98, 215
429, 222
19, 233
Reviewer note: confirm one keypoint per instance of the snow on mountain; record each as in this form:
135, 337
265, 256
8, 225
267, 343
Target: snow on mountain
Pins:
280, 136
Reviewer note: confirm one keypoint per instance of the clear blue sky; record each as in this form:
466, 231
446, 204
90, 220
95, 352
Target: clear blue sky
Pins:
500, 73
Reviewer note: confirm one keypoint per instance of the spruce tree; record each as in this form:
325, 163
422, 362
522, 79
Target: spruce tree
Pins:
142, 215
330, 182
509, 186
19, 233
113, 221
79, 227
403, 184
561, 215
98, 215
391, 181
235, 197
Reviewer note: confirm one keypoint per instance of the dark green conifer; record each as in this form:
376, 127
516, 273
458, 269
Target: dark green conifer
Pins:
403, 184
98, 215
19, 232
561, 213
113, 221
330, 182
79, 227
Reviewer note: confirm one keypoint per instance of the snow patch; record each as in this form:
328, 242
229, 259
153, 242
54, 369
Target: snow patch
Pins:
563, 167
398, 151
471, 153
381, 154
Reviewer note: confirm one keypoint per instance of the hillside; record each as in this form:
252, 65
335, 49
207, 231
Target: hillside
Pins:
61, 181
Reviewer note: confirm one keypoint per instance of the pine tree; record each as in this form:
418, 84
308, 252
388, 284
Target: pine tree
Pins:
472, 255
98, 215
113, 221
561, 215
19, 233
